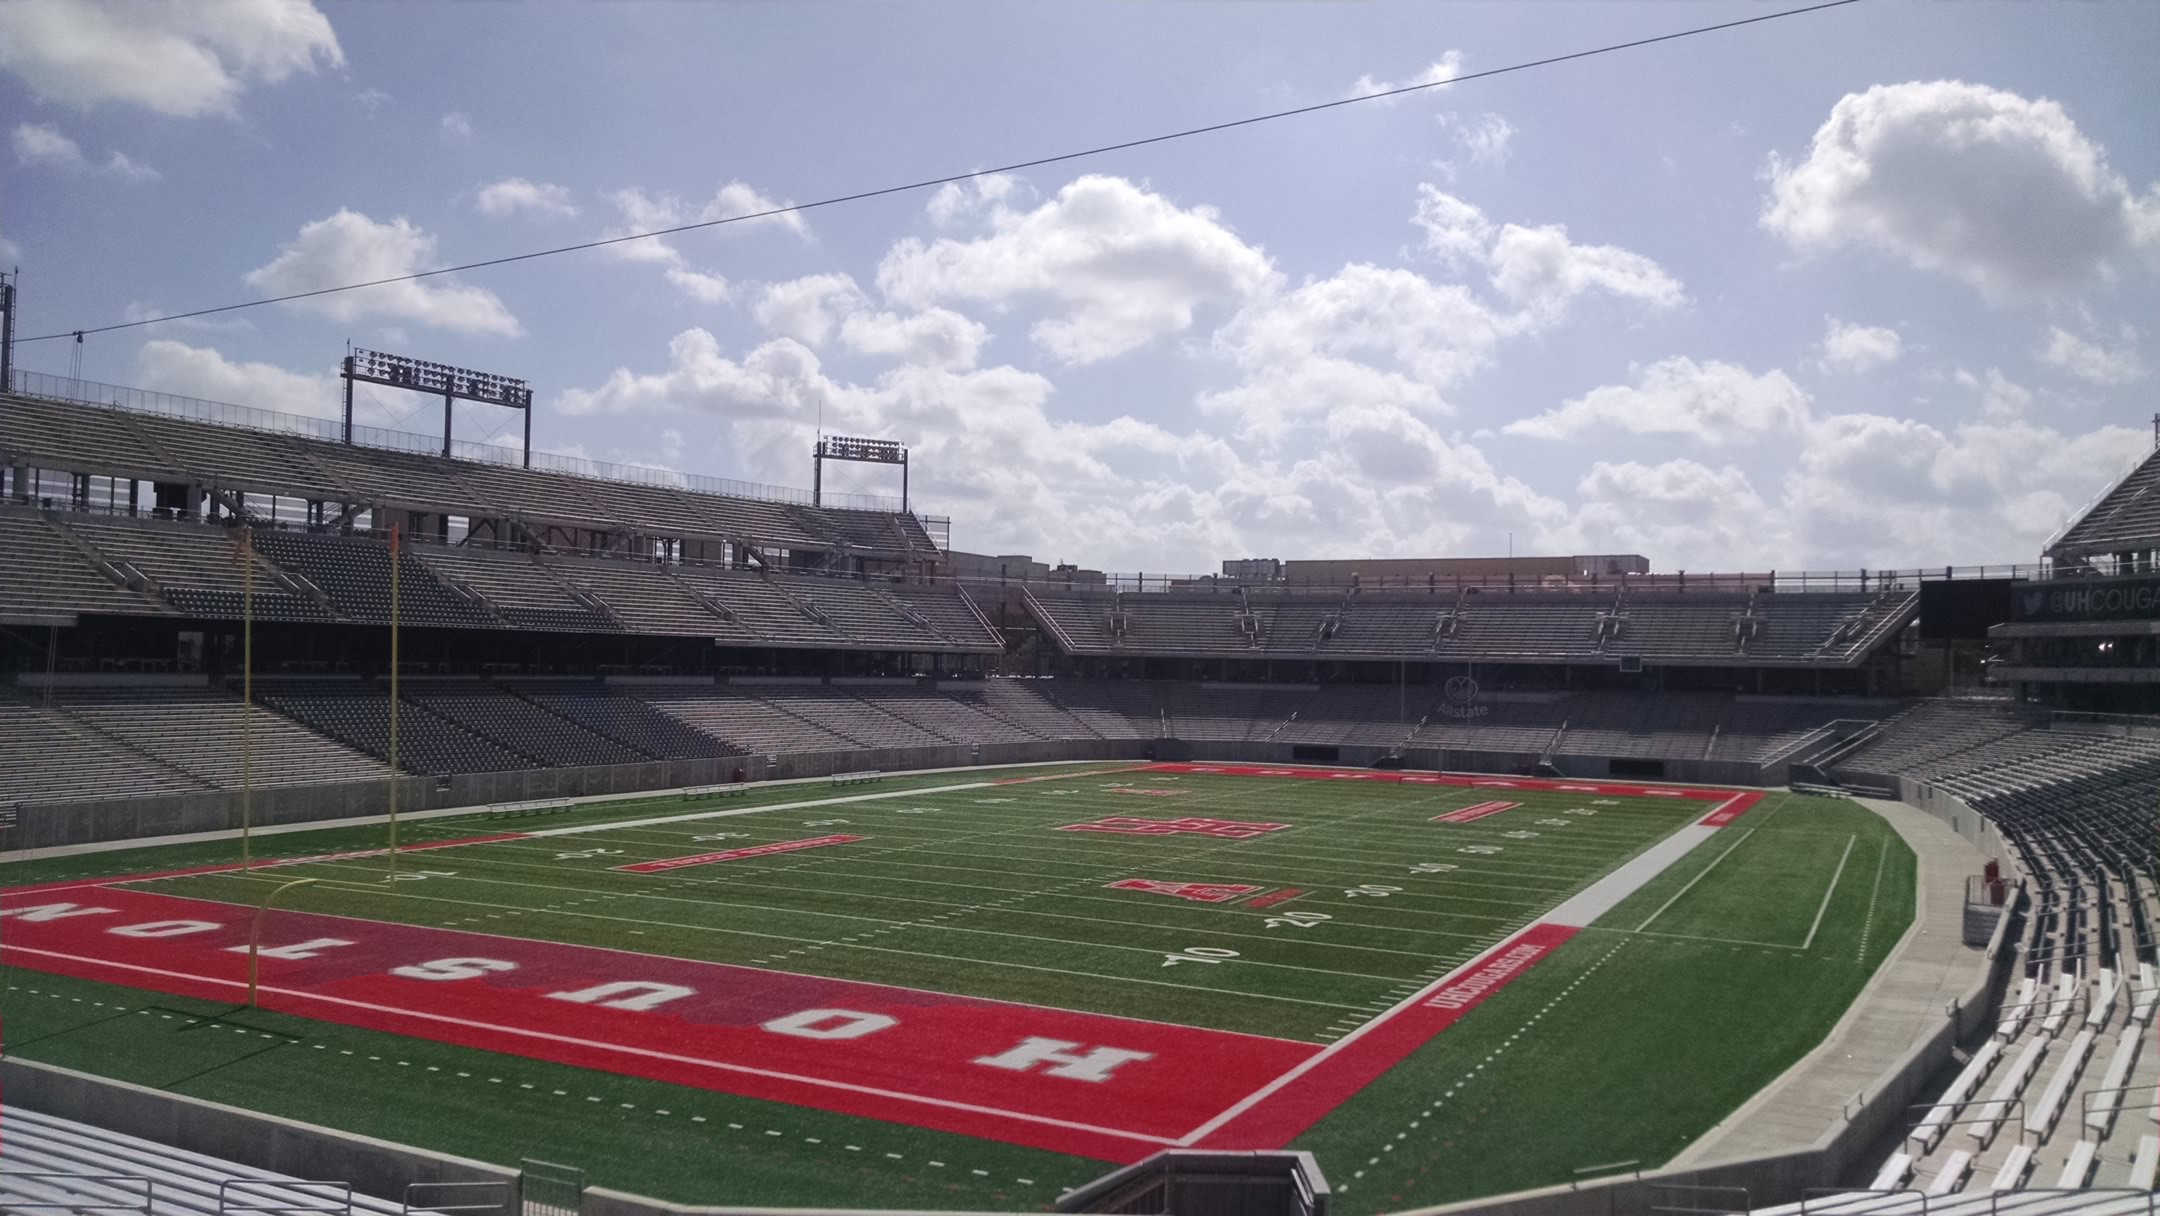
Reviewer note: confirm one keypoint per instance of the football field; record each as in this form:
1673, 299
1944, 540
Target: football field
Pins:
1082, 962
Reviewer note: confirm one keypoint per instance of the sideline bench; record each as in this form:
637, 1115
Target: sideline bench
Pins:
865, 777
521, 810
726, 789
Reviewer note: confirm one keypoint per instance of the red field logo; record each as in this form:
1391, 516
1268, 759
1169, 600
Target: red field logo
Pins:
1471, 814
1230, 829
1198, 892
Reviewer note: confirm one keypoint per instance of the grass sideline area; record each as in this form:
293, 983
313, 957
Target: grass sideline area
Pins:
1635, 1036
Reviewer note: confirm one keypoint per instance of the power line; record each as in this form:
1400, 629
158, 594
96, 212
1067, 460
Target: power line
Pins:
1016, 166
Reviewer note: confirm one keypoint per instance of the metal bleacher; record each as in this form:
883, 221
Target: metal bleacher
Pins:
54, 1166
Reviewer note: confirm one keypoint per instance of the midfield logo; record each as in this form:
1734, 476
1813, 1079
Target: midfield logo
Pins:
1198, 892
1230, 829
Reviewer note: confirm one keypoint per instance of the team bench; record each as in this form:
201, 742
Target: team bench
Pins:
726, 789
865, 777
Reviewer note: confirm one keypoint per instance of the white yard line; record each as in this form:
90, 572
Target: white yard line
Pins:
1692, 881
1850, 841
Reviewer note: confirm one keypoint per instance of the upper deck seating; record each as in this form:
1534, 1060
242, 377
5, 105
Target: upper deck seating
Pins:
44, 574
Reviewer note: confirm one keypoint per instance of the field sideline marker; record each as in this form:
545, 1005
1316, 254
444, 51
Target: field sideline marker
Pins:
1698, 878
1839, 873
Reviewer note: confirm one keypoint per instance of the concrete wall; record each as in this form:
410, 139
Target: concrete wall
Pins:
300, 1150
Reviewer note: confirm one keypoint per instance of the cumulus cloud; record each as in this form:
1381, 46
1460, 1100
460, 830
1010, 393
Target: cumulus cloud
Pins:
1486, 141
348, 247
201, 371
1115, 265
808, 309
514, 194
642, 212
1441, 70
46, 146
1878, 491
2000, 191
1684, 514
2092, 362
955, 202
456, 127
1857, 348
1373, 334
180, 58
1540, 269
1715, 402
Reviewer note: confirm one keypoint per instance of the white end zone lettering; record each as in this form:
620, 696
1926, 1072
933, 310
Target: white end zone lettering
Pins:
165, 928
614, 996
1064, 1060
50, 912
307, 949
453, 968
830, 1024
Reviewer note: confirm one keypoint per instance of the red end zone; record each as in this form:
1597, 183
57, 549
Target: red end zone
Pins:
1107, 1087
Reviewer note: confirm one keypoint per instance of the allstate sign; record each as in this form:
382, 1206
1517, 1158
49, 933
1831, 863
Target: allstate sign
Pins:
1461, 693
2115, 599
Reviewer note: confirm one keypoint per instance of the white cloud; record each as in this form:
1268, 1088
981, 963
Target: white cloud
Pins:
808, 309
811, 309
1117, 266
456, 127
348, 247
1715, 402
2001, 398
955, 202
1980, 184
201, 371
1848, 347
642, 212
36, 145
1442, 70
2092, 362
40, 145
514, 194
372, 100
1387, 335
935, 337
183, 59
1486, 140
1682, 514
1539, 269
1877, 491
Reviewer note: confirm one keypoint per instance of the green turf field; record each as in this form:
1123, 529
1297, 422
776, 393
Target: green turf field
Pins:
1628, 1043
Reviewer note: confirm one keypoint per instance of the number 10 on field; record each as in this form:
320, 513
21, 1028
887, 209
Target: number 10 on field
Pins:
1198, 954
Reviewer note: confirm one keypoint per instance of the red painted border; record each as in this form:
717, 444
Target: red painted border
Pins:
1471, 814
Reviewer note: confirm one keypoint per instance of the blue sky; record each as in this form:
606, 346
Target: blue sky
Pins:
1875, 286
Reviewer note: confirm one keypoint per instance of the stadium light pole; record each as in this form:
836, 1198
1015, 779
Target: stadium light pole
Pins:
255, 932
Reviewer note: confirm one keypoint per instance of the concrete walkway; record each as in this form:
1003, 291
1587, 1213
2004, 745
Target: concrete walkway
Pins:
1903, 1004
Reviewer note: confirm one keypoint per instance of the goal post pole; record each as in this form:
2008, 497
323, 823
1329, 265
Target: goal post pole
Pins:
255, 932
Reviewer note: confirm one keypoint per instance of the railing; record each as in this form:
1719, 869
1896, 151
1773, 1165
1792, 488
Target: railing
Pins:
330, 429
1784, 582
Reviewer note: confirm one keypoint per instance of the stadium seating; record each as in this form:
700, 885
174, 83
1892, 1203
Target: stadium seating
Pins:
199, 731
621, 716
57, 1165
292, 463
514, 588
50, 757
2126, 517
516, 723
357, 714
355, 573
1568, 625
196, 568
45, 575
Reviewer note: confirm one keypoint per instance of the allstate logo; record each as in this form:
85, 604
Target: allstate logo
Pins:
1460, 692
